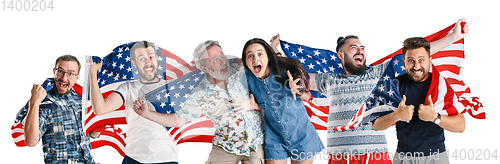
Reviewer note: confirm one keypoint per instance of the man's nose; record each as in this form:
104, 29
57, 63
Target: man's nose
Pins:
64, 77
417, 66
360, 50
223, 61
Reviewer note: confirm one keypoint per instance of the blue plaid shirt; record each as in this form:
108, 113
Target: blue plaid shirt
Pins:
61, 129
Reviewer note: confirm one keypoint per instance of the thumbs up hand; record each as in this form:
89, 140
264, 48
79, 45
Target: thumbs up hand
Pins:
427, 112
404, 112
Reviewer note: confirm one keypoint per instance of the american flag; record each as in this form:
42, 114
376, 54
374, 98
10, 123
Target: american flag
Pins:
171, 97
315, 61
385, 98
447, 61
17, 130
117, 68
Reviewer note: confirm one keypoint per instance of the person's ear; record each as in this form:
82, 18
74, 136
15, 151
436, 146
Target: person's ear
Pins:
340, 54
134, 64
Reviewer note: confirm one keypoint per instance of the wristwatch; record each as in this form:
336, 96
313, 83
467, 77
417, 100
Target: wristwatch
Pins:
438, 119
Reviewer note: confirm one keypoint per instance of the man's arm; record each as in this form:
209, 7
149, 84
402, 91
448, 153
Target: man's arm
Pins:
403, 113
275, 41
165, 119
455, 123
456, 35
99, 104
312, 82
31, 125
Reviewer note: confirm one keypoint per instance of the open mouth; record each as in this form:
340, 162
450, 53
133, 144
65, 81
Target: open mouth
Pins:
224, 69
358, 58
417, 72
63, 86
257, 68
148, 70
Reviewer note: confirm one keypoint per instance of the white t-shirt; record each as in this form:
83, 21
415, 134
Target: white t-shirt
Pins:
147, 141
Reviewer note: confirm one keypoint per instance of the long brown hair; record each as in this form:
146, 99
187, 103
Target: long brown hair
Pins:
279, 65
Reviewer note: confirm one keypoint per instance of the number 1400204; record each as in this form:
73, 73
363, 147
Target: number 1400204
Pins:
28, 5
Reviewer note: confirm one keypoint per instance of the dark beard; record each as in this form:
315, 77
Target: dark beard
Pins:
143, 75
352, 69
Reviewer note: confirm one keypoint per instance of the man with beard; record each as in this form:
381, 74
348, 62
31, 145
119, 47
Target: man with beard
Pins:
348, 92
238, 135
57, 120
419, 127
147, 141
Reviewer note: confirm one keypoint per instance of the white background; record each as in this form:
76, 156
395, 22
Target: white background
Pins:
30, 42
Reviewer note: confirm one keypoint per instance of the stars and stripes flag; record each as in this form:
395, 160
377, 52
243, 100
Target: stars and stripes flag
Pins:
171, 97
17, 130
448, 62
385, 98
117, 69
315, 61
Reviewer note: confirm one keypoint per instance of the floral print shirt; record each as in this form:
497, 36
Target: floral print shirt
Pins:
236, 133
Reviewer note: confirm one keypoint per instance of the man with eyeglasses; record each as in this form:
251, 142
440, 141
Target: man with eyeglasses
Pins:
146, 142
55, 116
238, 135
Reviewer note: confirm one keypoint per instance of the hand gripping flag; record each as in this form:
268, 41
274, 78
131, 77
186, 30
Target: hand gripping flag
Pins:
171, 97
448, 62
17, 130
117, 69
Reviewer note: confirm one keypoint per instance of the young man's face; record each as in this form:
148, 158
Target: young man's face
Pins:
417, 64
353, 57
65, 76
146, 63
217, 63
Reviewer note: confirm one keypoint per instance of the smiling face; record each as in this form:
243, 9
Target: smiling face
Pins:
146, 63
65, 76
352, 56
257, 60
417, 63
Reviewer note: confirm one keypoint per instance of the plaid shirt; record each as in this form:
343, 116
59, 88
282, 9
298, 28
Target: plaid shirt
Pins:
61, 129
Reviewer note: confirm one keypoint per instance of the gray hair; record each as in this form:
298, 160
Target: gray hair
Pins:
198, 57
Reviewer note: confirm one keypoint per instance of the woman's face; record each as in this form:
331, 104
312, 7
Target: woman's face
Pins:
257, 60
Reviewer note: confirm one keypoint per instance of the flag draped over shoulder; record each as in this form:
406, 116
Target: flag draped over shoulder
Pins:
382, 100
17, 130
171, 97
385, 98
117, 69
449, 95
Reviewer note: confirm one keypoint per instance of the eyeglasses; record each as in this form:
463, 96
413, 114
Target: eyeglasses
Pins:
70, 75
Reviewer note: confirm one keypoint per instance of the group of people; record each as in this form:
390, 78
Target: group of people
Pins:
256, 107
